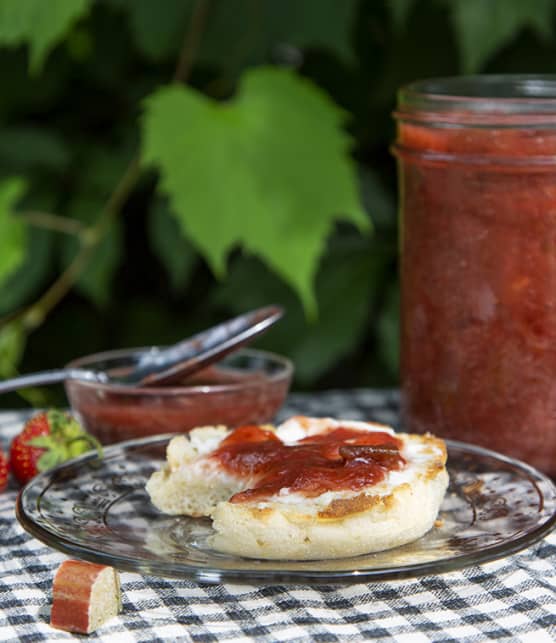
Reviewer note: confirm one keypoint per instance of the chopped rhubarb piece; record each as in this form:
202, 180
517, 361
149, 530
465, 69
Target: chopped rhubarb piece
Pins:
84, 596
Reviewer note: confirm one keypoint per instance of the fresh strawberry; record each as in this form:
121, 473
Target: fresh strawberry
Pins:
4, 470
48, 439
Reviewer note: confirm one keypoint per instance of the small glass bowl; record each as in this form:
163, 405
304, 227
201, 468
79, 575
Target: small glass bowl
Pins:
248, 386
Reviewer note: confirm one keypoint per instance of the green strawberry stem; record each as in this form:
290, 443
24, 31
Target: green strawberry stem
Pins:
90, 441
66, 439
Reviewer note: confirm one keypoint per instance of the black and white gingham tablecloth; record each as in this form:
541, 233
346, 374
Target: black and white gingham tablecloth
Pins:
513, 599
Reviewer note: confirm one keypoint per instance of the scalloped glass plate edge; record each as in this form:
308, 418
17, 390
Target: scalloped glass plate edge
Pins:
353, 573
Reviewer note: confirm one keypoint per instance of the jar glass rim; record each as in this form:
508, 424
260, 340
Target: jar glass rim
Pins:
489, 99
495, 87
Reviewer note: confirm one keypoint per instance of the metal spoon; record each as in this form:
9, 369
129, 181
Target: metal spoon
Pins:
162, 366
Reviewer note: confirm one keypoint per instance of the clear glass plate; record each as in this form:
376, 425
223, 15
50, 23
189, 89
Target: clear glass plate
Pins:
100, 511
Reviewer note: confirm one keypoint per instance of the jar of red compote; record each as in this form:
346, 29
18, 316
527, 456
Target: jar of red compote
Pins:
477, 170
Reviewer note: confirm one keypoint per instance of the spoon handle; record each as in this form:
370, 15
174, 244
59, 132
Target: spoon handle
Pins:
209, 346
49, 377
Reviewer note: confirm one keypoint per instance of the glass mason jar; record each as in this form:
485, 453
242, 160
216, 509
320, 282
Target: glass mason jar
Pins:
477, 171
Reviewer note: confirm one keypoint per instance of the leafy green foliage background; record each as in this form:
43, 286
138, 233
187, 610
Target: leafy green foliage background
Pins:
164, 165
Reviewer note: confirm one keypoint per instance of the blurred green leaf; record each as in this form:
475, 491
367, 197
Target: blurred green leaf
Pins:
80, 45
12, 345
325, 24
377, 199
146, 320
170, 245
95, 280
246, 31
24, 282
102, 166
243, 31
29, 97
405, 57
158, 27
106, 57
13, 340
400, 11
269, 170
26, 147
13, 232
40, 23
483, 28
345, 290
27, 278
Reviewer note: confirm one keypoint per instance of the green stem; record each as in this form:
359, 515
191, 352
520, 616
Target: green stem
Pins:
91, 441
191, 41
53, 222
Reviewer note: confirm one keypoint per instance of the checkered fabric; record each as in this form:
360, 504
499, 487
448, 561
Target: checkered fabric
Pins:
513, 599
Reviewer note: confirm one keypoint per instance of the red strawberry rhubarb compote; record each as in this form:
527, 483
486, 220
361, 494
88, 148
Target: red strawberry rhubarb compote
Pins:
477, 165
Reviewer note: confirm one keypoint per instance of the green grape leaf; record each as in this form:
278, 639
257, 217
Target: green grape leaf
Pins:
170, 245
95, 280
40, 23
27, 147
483, 28
13, 232
346, 286
269, 171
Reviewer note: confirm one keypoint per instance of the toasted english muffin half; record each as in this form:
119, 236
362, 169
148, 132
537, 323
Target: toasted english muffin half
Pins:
292, 522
